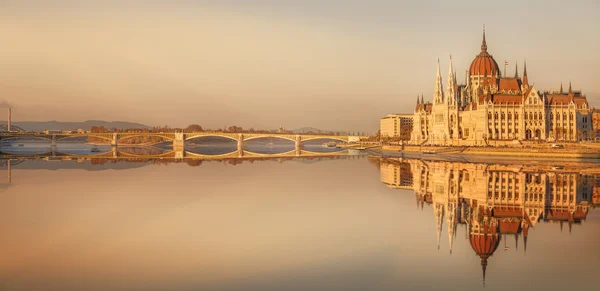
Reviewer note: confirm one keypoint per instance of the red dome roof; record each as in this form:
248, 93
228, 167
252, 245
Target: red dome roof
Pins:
484, 244
484, 63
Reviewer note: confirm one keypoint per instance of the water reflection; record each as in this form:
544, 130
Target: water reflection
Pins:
296, 223
493, 201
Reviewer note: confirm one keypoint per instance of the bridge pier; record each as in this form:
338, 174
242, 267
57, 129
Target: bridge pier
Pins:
179, 144
298, 142
115, 152
53, 141
114, 140
9, 173
240, 143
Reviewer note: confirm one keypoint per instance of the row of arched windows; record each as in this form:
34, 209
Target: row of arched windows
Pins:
533, 115
564, 116
503, 115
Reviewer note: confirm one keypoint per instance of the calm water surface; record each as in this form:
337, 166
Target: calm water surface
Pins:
327, 223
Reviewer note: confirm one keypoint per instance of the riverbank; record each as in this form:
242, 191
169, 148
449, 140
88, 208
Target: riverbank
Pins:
538, 152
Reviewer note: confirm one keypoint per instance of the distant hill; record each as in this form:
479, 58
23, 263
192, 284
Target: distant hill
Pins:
43, 125
4, 127
309, 129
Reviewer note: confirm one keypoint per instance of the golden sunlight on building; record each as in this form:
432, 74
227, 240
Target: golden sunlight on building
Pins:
396, 126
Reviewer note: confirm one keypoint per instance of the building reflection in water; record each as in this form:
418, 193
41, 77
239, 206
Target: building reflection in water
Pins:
493, 200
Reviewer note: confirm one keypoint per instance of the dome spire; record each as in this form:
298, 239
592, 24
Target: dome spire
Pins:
483, 267
483, 42
570, 89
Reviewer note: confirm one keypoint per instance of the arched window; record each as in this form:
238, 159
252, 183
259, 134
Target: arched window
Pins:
535, 116
571, 116
509, 115
502, 115
516, 116
489, 115
551, 115
530, 115
564, 116
496, 115
558, 116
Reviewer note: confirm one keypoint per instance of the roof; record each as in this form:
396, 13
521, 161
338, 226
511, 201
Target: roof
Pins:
507, 99
509, 227
566, 98
426, 107
506, 84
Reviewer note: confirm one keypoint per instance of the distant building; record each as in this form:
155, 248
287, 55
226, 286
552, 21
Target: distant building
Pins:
52, 131
495, 109
396, 126
596, 122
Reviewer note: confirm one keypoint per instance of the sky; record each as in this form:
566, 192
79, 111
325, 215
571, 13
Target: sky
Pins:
334, 65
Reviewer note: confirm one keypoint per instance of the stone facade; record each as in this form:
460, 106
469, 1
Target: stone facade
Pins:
490, 109
396, 126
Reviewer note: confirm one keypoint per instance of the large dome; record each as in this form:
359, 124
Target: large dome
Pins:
484, 63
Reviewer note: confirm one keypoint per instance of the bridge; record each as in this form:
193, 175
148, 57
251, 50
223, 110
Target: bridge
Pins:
179, 138
117, 153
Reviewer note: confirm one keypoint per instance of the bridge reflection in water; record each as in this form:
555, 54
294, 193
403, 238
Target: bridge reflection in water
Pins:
150, 152
493, 201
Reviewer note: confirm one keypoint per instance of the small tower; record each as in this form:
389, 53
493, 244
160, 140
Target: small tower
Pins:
450, 89
561, 89
525, 79
438, 95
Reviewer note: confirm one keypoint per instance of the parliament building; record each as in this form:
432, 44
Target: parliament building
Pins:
491, 109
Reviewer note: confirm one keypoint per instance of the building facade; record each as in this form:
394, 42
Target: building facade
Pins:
491, 109
396, 126
596, 123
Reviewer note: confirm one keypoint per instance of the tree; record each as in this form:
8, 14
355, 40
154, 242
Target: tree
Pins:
194, 128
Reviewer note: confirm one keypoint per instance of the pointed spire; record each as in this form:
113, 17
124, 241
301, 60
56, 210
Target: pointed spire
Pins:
561, 89
483, 267
570, 227
516, 70
438, 93
418, 99
525, 79
451, 94
422, 102
483, 42
570, 89
561, 223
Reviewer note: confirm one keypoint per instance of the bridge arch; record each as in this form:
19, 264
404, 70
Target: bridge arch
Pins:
124, 136
285, 137
194, 136
164, 138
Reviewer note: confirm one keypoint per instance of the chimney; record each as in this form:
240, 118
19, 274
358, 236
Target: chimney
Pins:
9, 119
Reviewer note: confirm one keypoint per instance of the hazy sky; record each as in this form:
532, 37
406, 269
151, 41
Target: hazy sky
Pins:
337, 64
